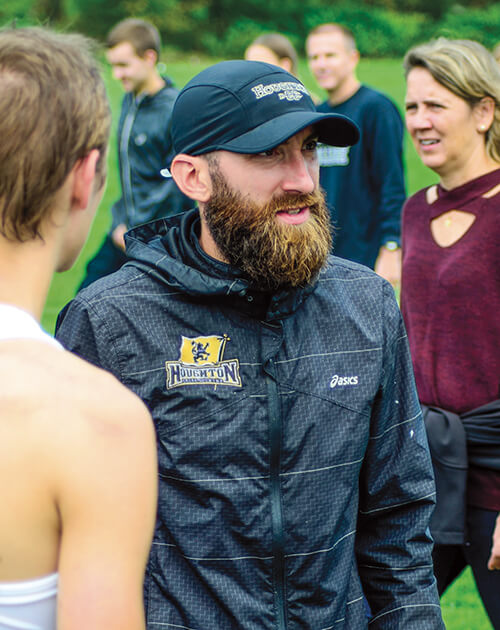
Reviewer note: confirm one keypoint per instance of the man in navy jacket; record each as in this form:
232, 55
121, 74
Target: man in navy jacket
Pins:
295, 478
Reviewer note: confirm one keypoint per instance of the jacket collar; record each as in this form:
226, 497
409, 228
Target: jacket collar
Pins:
169, 250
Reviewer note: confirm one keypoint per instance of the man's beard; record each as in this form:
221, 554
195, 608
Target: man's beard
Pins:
271, 253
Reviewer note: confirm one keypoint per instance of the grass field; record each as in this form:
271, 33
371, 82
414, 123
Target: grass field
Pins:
462, 609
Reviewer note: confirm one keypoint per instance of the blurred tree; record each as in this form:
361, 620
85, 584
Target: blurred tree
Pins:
50, 10
15, 10
96, 17
224, 27
432, 8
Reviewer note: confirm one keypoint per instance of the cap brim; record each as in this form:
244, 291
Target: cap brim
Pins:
333, 129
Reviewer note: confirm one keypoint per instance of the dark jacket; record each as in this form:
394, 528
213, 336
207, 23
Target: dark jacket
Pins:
455, 441
294, 469
144, 148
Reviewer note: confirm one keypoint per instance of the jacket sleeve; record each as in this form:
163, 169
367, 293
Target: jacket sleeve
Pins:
397, 496
80, 330
383, 123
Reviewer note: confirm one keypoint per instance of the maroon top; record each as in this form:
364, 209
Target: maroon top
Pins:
450, 299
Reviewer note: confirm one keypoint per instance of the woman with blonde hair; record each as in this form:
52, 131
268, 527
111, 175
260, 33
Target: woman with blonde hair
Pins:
450, 299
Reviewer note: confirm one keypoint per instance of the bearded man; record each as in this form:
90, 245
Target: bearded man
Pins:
295, 479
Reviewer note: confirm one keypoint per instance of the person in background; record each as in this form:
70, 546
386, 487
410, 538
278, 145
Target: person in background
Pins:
77, 449
295, 475
364, 184
144, 141
274, 48
450, 299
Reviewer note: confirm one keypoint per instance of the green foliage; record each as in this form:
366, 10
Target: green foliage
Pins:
52, 10
18, 11
482, 25
224, 28
181, 24
239, 35
432, 8
378, 32
95, 18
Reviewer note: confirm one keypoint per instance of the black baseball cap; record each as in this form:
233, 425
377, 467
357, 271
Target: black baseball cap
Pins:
249, 107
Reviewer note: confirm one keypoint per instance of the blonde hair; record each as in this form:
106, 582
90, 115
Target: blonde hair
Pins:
53, 111
465, 68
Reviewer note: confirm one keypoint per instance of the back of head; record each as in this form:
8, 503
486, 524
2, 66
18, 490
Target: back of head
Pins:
465, 68
281, 46
140, 34
53, 111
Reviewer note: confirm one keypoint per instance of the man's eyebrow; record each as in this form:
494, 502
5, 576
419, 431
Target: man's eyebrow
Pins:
312, 136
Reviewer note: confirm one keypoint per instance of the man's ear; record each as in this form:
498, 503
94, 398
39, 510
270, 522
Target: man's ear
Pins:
354, 57
286, 64
83, 174
151, 56
192, 176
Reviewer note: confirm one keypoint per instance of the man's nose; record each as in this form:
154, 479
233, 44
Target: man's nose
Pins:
300, 175
320, 61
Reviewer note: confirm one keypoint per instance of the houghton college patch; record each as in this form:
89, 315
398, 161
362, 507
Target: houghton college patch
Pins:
200, 363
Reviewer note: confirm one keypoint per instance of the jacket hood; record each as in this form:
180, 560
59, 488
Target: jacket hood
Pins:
163, 247
169, 250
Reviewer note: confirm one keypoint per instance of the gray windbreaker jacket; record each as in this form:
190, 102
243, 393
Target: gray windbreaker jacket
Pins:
295, 479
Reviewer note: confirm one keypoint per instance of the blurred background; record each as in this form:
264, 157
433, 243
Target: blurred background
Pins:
223, 28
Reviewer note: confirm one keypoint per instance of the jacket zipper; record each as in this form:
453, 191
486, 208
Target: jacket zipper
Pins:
275, 435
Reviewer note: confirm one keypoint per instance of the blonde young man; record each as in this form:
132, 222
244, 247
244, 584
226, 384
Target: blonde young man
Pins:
77, 449
295, 476
364, 184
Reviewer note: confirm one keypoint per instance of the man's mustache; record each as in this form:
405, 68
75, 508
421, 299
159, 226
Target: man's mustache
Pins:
285, 202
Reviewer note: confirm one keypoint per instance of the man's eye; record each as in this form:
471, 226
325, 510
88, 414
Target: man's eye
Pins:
311, 145
268, 153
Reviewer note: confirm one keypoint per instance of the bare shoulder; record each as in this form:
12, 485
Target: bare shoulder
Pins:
77, 452
55, 387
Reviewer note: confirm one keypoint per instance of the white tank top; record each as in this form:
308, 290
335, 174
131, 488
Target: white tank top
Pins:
18, 324
29, 604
